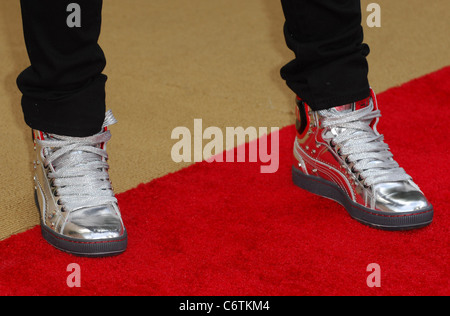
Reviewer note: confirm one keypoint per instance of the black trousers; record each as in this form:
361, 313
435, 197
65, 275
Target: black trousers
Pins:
64, 88
326, 36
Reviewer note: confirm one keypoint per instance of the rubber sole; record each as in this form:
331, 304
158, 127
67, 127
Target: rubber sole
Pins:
81, 247
366, 216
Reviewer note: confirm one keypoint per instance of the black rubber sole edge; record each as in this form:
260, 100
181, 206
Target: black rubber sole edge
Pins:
82, 248
366, 216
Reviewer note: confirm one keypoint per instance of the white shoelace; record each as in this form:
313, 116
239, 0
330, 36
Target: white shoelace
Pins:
362, 146
79, 170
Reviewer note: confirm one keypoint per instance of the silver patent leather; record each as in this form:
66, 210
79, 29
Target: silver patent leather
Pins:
317, 154
92, 221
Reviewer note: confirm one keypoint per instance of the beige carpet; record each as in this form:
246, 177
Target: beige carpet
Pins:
170, 61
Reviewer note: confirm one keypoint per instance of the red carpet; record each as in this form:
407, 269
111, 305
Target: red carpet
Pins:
226, 229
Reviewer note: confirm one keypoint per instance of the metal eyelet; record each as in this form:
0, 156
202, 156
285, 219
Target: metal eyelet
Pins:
52, 215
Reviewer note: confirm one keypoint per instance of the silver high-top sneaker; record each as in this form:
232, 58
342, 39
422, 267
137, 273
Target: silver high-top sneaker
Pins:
79, 212
340, 155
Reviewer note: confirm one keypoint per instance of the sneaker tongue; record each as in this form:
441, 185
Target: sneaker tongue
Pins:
342, 110
362, 104
350, 107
